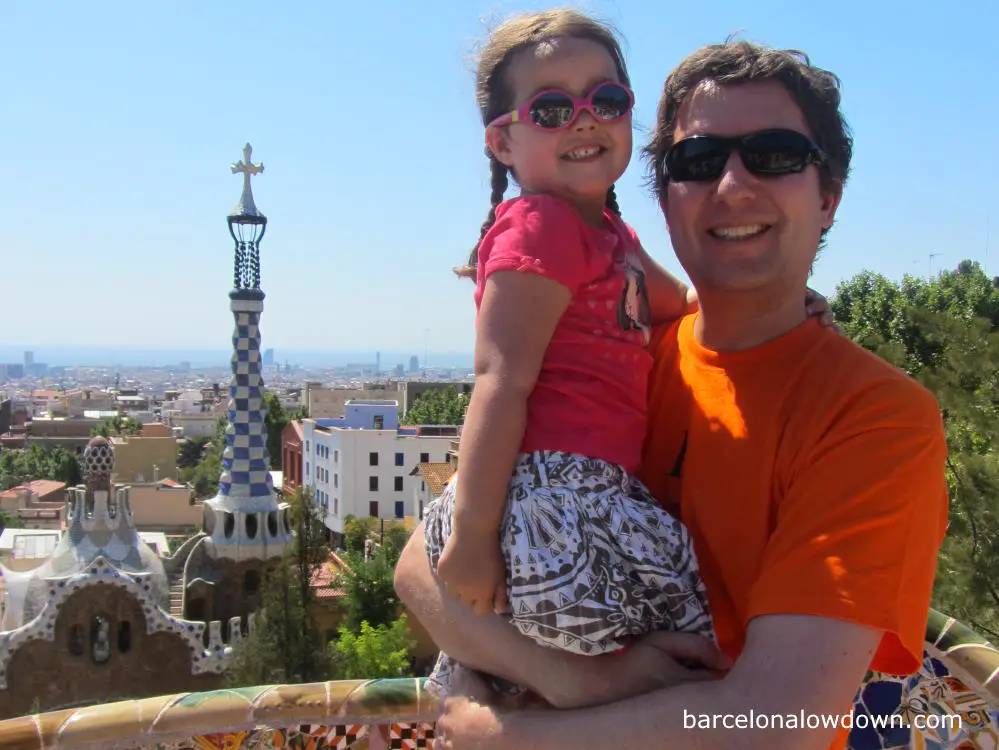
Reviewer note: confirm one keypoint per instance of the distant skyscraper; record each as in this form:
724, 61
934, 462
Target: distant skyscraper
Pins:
29, 359
268, 356
378, 363
414, 364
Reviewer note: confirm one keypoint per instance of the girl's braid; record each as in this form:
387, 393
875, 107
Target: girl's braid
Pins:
499, 184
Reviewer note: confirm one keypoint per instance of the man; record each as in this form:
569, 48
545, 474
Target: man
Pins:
809, 472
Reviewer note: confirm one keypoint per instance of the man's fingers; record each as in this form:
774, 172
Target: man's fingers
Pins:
690, 647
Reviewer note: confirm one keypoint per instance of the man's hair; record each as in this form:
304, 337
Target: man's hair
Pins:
814, 90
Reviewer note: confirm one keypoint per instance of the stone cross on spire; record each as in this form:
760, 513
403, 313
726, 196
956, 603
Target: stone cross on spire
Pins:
246, 206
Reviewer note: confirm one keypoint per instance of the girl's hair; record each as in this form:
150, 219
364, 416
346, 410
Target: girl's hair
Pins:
495, 96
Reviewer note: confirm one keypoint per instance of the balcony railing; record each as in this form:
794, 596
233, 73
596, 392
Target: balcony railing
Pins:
952, 702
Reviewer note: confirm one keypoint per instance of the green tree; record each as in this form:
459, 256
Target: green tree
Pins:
285, 645
369, 592
356, 531
190, 452
205, 473
374, 652
217, 440
438, 406
276, 419
10, 521
944, 332
117, 425
19, 466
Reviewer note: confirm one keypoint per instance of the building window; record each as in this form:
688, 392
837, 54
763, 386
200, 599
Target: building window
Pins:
373, 484
373, 459
379, 422
398, 484
124, 636
307, 446
424, 458
336, 481
251, 582
336, 457
336, 506
423, 486
400, 459
76, 640
399, 508
373, 509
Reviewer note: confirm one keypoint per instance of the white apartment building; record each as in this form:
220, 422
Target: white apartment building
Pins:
362, 464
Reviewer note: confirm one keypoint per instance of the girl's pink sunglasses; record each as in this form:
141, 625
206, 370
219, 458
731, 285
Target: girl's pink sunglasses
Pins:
554, 109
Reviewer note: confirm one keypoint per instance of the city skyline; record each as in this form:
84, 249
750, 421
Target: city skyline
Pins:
126, 356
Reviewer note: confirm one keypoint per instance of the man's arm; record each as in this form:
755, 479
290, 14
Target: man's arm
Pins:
484, 642
565, 680
791, 665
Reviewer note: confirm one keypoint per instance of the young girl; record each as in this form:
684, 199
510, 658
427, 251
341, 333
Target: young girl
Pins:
545, 512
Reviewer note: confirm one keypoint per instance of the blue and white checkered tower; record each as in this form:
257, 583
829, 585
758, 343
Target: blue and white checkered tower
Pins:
245, 520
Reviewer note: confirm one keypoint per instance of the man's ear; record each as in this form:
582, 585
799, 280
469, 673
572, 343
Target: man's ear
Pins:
498, 143
831, 198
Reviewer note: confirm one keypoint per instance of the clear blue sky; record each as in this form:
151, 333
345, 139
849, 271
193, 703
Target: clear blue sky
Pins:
120, 121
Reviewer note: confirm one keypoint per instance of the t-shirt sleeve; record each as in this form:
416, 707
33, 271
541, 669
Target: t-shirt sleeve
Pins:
537, 234
858, 529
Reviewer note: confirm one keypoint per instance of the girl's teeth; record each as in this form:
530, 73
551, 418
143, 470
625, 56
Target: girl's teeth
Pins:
583, 153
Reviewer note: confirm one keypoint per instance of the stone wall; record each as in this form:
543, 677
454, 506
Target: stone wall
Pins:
100, 652
236, 592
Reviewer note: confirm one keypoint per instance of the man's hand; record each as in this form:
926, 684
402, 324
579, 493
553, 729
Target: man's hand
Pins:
468, 723
473, 570
650, 664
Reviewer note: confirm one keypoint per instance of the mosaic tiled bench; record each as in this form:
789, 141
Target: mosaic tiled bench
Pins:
959, 678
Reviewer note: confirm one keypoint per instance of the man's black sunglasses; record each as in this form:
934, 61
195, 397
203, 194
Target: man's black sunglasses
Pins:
764, 153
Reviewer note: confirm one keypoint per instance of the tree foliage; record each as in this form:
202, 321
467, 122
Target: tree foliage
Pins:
276, 417
369, 590
117, 426
285, 645
356, 530
944, 332
190, 452
374, 652
438, 406
205, 473
20, 466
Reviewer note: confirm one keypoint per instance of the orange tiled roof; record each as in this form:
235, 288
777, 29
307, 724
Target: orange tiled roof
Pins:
436, 475
40, 487
322, 580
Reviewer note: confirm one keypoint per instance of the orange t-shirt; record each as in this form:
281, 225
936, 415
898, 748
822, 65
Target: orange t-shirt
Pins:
810, 474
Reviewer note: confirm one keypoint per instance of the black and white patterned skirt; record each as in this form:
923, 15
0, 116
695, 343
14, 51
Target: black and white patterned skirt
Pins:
593, 561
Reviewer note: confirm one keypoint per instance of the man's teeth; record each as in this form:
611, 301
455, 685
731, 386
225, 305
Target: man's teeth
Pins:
738, 233
583, 153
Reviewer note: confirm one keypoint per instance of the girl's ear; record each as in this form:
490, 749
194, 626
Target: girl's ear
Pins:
498, 143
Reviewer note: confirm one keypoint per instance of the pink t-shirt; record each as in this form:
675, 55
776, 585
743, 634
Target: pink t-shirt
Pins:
590, 394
